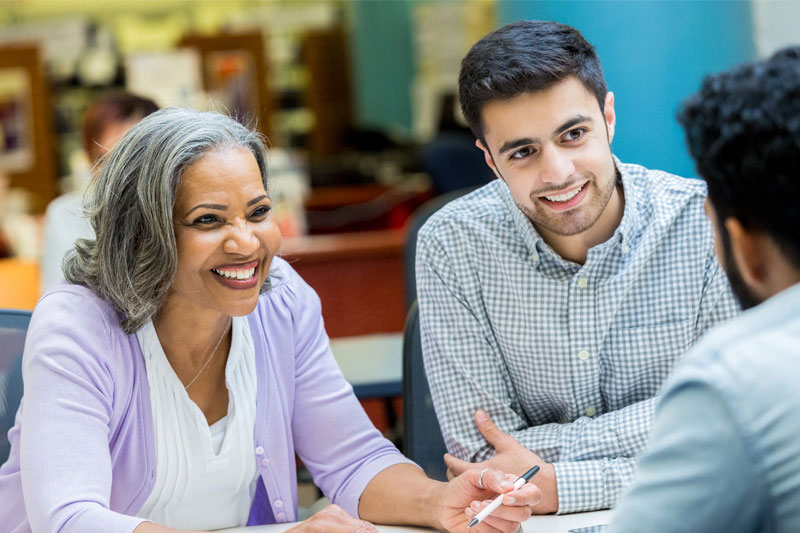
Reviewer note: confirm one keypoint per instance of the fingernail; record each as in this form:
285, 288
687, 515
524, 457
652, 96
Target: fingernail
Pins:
481, 415
475, 505
361, 530
509, 500
506, 485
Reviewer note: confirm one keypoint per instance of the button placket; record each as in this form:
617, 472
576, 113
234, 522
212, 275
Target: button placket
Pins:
583, 318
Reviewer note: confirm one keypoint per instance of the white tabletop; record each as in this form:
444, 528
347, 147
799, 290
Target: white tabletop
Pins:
537, 524
373, 364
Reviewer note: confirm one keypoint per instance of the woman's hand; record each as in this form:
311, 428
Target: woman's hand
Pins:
463, 498
333, 519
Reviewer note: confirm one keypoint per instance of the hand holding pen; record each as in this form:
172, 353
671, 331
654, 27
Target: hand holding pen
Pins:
497, 502
467, 494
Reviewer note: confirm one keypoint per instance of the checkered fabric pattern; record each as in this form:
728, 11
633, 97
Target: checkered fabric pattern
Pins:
567, 358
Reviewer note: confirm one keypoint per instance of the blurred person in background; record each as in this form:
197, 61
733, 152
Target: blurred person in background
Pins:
171, 378
105, 122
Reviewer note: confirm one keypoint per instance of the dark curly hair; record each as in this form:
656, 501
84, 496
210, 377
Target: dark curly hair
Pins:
743, 130
525, 56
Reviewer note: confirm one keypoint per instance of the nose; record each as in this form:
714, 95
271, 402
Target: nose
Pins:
556, 167
241, 239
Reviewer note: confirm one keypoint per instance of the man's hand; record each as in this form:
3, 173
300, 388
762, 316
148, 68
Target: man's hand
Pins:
463, 498
510, 456
333, 519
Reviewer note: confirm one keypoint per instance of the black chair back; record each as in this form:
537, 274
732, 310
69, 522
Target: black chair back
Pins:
13, 327
422, 438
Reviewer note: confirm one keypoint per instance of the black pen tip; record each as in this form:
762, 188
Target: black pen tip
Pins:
530, 473
472, 522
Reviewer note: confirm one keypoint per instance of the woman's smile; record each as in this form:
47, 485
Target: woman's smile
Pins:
237, 276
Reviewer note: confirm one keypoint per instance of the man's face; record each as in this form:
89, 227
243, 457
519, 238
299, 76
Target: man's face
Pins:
552, 148
722, 247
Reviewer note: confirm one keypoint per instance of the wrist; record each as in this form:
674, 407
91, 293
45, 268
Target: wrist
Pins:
435, 505
546, 481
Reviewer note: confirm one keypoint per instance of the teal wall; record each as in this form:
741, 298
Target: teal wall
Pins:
384, 63
654, 54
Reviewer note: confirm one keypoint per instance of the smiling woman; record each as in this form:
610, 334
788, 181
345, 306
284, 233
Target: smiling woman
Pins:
174, 375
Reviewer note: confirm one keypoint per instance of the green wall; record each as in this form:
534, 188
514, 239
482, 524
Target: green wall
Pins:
383, 56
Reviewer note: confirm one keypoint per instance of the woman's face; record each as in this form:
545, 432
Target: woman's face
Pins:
225, 233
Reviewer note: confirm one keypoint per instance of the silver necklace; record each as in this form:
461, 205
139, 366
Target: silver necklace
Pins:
210, 357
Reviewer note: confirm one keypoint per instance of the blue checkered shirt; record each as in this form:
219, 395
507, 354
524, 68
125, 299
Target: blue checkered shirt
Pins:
566, 358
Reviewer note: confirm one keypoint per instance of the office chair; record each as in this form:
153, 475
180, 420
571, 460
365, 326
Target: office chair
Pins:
13, 326
422, 438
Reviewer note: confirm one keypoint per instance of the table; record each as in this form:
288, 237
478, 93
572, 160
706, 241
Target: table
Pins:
537, 524
373, 364
359, 277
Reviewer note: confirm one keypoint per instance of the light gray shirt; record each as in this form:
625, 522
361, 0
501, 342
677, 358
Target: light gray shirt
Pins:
64, 223
725, 449
567, 358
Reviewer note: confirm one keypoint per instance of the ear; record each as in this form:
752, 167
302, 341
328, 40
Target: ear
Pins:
487, 156
610, 115
747, 248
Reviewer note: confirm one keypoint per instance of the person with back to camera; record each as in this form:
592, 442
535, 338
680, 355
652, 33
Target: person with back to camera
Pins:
105, 122
724, 454
170, 380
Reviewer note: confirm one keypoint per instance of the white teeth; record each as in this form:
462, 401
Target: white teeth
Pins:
236, 274
566, 196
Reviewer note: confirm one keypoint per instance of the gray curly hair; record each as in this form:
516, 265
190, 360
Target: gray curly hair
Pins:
133, 259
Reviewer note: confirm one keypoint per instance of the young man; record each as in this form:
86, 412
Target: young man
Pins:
558, 297
725, 454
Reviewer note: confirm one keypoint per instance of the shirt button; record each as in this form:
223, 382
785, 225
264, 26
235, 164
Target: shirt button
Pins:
281, 516
584, 355
259, 451
591, 411
582, 283
278, 503
264, 461
625, 249
535, 257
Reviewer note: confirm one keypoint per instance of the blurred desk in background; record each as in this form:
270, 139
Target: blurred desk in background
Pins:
372, 364
360, 280
362, 208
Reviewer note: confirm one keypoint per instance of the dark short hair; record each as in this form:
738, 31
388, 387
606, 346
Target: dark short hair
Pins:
525, 56
114, 106
743, 131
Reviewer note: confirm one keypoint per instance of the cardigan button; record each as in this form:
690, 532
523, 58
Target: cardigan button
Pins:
281, 516
259, 451
278, 504
264, 461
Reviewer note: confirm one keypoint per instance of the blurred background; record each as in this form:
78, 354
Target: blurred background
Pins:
357, 99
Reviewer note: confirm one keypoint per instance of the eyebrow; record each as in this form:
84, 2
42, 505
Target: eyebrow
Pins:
256, 200
220, 207
516, 143
577, 119
217, 207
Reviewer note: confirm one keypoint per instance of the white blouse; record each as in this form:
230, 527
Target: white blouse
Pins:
205, 476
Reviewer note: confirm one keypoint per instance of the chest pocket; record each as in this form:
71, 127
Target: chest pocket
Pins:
635, 362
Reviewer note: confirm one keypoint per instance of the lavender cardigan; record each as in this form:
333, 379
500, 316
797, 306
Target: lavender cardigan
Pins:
82, 449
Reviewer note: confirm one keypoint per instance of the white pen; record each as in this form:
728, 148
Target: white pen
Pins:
524, 478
